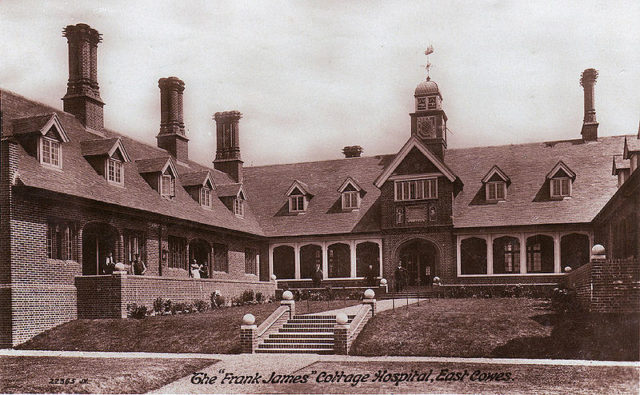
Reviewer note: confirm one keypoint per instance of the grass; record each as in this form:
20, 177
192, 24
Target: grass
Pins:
214, 331
103, 375
523, 379
511, 328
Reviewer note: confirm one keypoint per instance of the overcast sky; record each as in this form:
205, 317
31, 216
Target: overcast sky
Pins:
312, 77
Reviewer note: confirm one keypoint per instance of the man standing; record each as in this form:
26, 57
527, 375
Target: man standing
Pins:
399, 277
317, 276
139, 268
108, 265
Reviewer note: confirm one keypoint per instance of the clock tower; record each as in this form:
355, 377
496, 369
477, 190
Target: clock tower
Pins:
429, 121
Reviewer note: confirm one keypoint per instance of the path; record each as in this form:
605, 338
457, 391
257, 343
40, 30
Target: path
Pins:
381, 305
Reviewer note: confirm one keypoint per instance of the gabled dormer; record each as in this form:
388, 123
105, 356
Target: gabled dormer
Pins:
107, 157
233, 196
560, 179
200, 186
350, 194
495, 185
632, 152
299, 196
42, 136
161, 174
621, 168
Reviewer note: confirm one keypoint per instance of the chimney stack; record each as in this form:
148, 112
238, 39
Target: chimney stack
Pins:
228, 144
352, 151
589, 125
83, 94
172, 136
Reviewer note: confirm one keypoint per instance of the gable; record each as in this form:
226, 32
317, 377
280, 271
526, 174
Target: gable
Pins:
415, 163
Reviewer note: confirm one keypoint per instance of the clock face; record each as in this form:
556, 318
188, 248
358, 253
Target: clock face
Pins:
426, 127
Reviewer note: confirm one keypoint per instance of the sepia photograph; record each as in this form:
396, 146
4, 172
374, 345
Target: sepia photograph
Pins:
320, 197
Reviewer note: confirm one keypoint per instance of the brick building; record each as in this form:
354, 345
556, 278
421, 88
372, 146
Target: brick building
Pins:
71, 191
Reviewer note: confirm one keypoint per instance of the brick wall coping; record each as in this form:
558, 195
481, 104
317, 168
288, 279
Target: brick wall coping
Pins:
164, 278
579, 270
499, 284
266, 324
359, 319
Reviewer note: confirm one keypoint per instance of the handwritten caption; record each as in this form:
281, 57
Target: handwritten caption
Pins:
323, 377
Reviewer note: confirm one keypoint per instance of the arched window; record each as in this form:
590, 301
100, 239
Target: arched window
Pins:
284, 262
339, 260
574, 250
473, 256
506, 255
367, 253
310, 255
540, 254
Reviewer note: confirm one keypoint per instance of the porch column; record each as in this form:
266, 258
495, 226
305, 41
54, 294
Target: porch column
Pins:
380, 264
120, 249
352, 250
270, 261
556, 253
489, 239
325, 261
458, 257
296, 260
523, 254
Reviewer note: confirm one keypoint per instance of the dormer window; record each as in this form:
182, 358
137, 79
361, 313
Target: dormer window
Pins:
432, 103
351, 194
299, 196
495, 185
50, 152
114, 171
561, 179
161, 174
422, 103
238, 207
205, 197
167, 186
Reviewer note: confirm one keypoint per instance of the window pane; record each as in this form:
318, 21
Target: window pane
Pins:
500, 190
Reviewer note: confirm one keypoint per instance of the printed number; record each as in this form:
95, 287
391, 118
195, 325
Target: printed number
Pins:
62, 381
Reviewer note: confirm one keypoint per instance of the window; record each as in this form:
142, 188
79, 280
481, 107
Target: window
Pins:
432, 103
473, 256
560, 187
251, 261
50, 152
339, 264
296, 203
350, 200
134, 242
416, 189
422, 103
506, 255
220, 258
114, 171
238, 207
178, 252
205, 197
62, 240
496, 190
168, 185
540, 254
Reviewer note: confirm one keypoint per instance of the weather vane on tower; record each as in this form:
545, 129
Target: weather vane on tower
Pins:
428, 51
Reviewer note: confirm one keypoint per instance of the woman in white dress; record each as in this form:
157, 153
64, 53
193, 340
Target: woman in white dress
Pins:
194, 269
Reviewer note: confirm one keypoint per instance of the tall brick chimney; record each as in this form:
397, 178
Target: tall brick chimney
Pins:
228, 144
172, 135
589, 124
352, 151
83, 94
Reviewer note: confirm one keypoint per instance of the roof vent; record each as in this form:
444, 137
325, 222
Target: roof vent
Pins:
352, 151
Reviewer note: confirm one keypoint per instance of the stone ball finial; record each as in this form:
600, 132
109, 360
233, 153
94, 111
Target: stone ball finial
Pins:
287, 295
597, 249
273, 277
567, 269
341, 319
248, 319
383, 281
369, 294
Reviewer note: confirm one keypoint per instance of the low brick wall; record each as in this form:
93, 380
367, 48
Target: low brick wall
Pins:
108, 296
607, 285
345, 335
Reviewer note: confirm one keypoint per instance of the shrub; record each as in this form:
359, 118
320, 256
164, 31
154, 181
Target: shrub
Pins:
564, 300
188, 307
158, 305
217, 300
201, 305
259, 297
135, 311
168, 306
247, 296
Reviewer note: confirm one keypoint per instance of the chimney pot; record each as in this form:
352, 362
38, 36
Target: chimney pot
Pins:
352, 151
589, 125
172, 135
228, 157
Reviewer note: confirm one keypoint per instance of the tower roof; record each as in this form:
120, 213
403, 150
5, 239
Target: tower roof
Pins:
427, 87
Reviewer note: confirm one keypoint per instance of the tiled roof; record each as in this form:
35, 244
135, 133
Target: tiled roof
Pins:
79, 179
619, 163
98, 146
228, 190
631, 144
30, 124
194, 178
152, 165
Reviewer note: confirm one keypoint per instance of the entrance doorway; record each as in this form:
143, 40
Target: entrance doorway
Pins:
419, 258
98, 239
201, 252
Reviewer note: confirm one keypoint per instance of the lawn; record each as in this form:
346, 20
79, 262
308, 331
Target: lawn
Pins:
510, 328
102, 375
215, 331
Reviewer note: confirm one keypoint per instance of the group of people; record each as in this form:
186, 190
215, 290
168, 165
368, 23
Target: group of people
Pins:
401, 277
197, 270
136, 266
